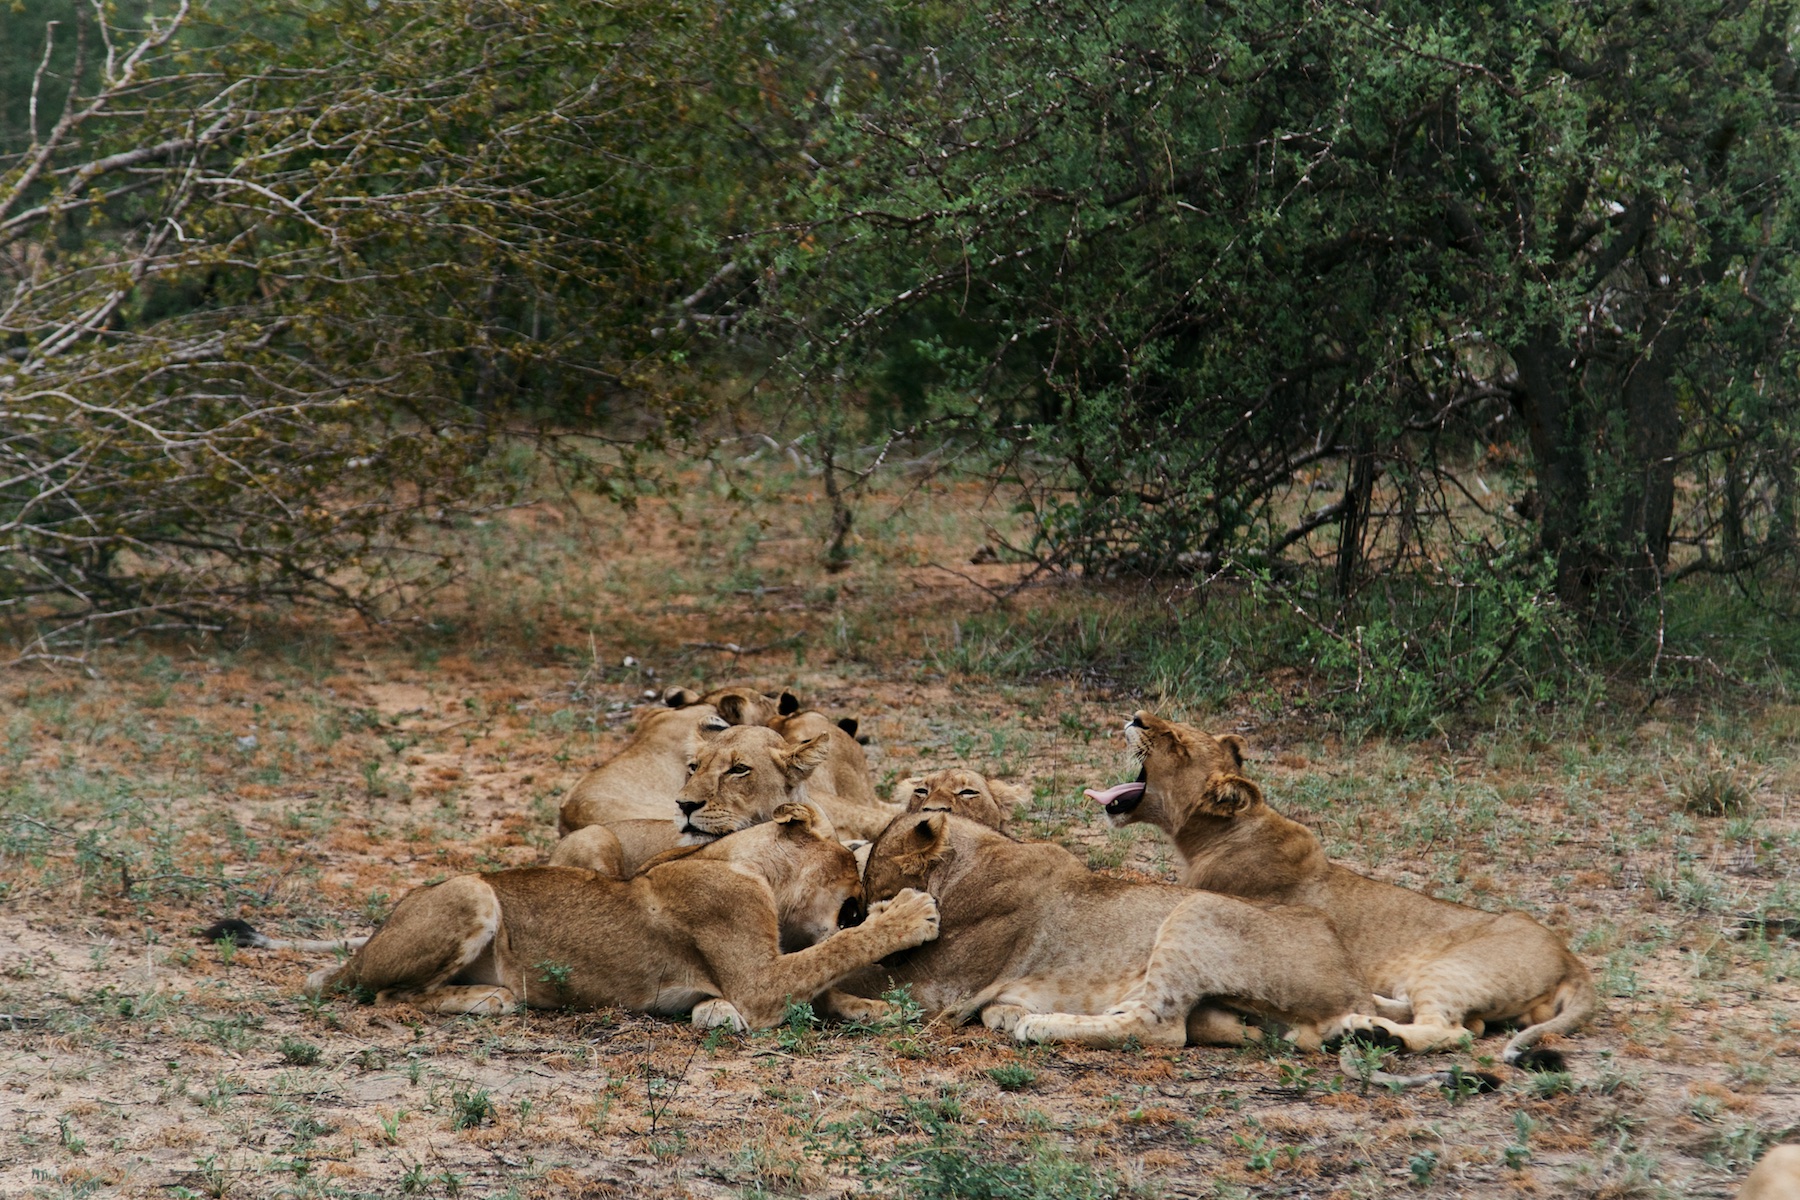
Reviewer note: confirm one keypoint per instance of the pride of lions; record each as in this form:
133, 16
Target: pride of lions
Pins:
734, 858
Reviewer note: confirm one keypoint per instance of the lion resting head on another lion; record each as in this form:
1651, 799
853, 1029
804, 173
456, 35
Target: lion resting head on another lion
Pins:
732, 931
1035, 943
962, 792
1442, 972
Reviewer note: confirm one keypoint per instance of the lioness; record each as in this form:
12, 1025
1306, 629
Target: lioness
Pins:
841, 785
1776, 1177
1452, 969
640, 781
705, 932
1040, 946
739, 776
965, 793
737, 705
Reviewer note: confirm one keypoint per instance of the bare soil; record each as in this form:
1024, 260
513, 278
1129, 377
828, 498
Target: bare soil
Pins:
306, 777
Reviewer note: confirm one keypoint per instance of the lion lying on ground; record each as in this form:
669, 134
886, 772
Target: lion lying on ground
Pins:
640, 781
1442, 971
704, 932
965, 793
739, 777
841, 785
1040, 946
737, 705
1776, 1177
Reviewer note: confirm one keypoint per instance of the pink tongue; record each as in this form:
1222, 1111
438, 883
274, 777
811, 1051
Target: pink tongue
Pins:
1115, 793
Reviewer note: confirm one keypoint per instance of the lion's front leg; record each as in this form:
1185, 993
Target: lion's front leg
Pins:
1114, 1027
761, 989
716, 1014
842, 1006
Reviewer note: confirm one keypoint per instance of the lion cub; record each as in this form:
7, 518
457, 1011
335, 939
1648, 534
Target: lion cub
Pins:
1452, 969
965, 793
704, 932
1039, 945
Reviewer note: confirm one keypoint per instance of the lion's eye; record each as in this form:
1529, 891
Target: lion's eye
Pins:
921, 791
968, 792
692, 767
739, 769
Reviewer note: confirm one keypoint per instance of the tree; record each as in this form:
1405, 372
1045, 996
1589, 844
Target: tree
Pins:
1188, 265
272, 288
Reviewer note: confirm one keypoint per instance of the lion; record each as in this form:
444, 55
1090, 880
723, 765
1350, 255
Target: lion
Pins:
842, 784
1776, 1177
1441, 971
1039, 946
736, 705
965, 793
731, 932
739, 776
640, 781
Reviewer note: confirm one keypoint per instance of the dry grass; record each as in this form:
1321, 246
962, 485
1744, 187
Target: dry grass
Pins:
308, 777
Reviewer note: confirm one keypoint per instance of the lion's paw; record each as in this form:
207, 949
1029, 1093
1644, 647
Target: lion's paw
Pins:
1003, 1017
714, 1014
914, 913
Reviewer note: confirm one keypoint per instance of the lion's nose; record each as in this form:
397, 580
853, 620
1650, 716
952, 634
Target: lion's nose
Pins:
934, 806
687, 807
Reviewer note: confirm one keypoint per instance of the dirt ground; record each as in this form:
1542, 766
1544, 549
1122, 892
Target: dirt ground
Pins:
306, 775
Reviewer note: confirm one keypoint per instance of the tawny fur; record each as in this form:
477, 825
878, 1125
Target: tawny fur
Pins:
704, 933
1454, 969
736, 705
1776, 1177
966, 793
1040, 946
842, 785
738, 777
641, 780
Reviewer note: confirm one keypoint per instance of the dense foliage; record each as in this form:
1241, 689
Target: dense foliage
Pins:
1187, 266
273, 282
1459, 326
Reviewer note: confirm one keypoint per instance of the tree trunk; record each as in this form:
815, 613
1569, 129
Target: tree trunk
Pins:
1652, 436
1558, 432
1359, 487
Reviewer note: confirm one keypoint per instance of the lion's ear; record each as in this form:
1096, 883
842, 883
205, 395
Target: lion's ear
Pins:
788, 705
927, 835
712, 726
731, 707
1007, 795
848, 725
797, 818
1229, 795
803, 758
680, 697
1234, 746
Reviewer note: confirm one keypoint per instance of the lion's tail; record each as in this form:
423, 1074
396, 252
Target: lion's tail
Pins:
1357, 1068
242, 933
1576, 1001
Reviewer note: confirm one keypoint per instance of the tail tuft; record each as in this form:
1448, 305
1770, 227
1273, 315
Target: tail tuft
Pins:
1470, 1083
1541, 1058
238, 933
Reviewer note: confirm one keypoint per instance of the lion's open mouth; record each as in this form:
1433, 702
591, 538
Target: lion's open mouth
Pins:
1120, 798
